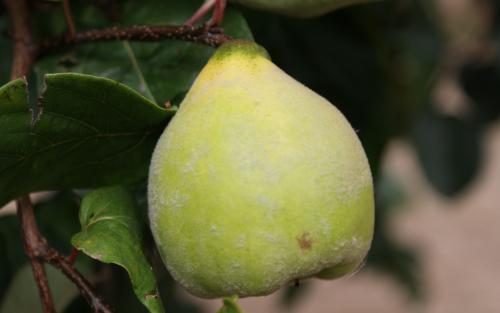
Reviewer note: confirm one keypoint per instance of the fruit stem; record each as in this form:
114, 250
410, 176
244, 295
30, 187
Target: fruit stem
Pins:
230, 305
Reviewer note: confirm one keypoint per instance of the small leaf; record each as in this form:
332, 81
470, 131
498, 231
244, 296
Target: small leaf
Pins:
230, 306
89, 132
111, 233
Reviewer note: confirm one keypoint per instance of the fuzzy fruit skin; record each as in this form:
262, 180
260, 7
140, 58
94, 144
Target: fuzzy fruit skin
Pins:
257, 181
300, 8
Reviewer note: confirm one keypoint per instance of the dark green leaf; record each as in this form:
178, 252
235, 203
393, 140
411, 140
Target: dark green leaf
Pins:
112, 233
449, 150
230, 306
159, 70
90, 132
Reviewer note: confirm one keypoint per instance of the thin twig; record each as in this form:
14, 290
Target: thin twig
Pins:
57, 260
33, 246
69, 19
209, 36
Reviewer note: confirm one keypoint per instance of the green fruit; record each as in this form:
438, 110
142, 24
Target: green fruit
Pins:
257, 181
300, 8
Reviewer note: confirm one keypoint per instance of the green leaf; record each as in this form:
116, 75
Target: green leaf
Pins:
449, 149
162, 71
230, 306
89, 132
111, 233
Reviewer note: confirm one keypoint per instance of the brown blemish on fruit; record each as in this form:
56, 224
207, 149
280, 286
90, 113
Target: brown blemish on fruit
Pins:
304, 241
